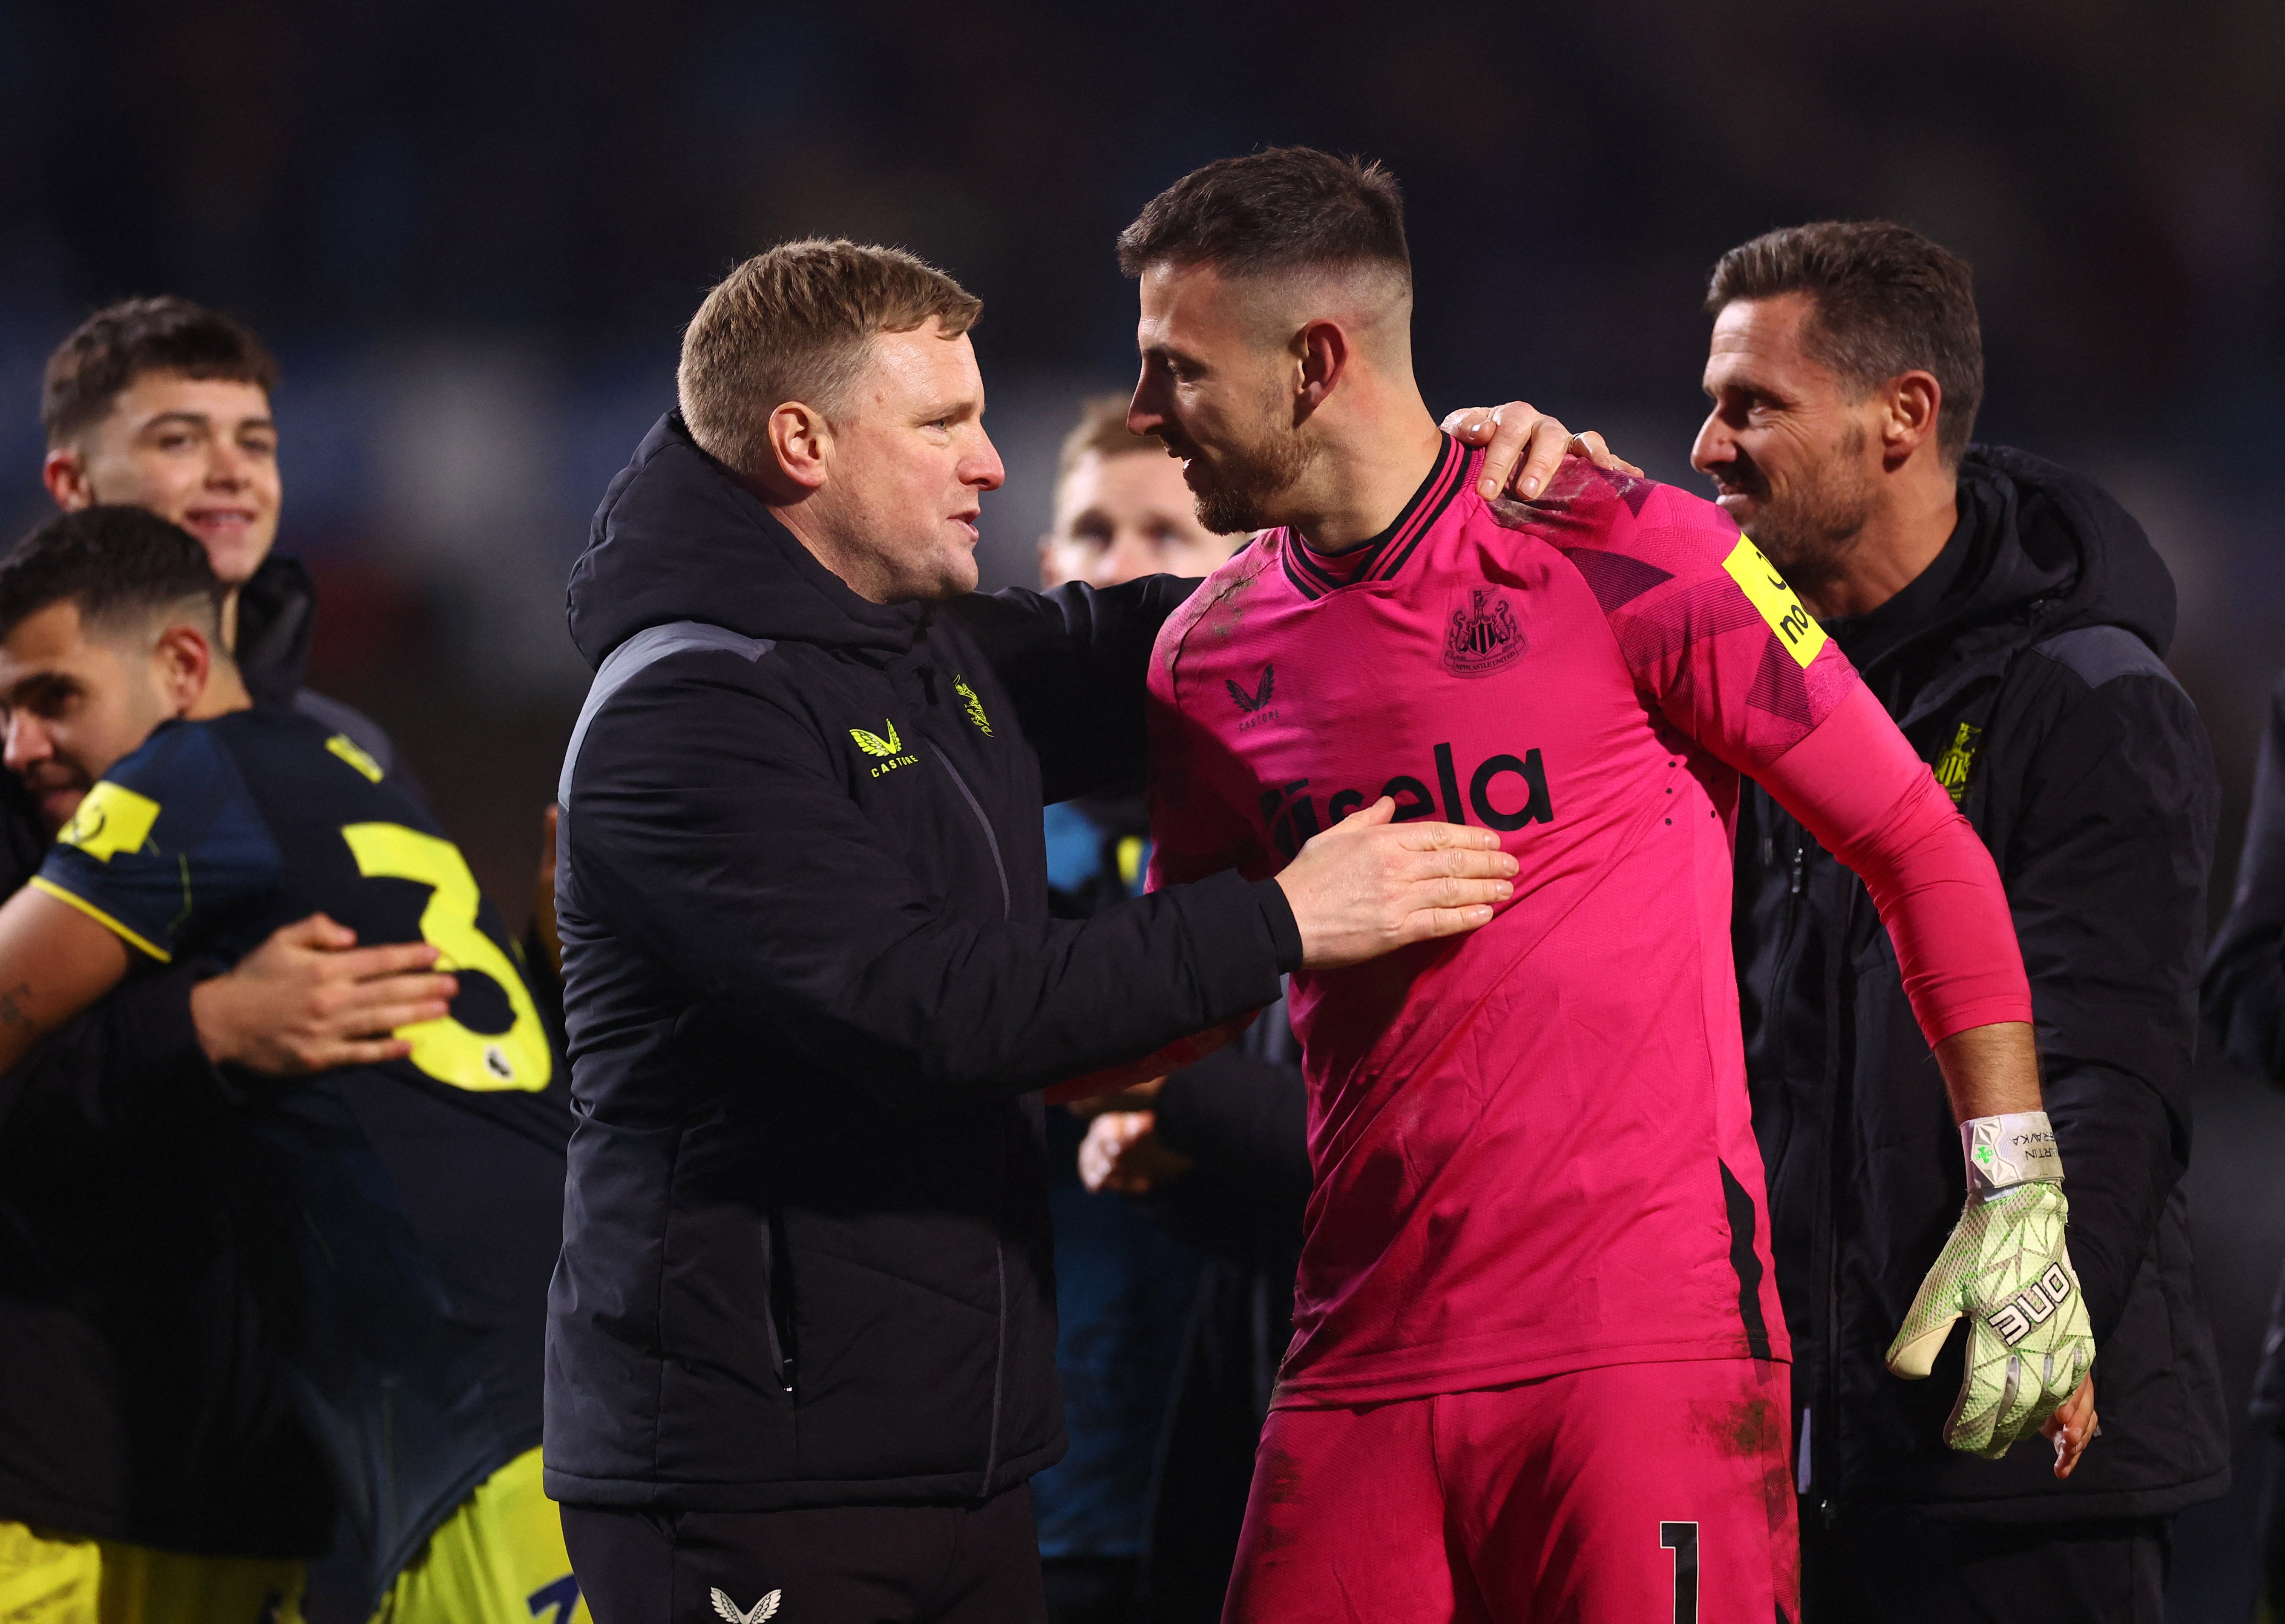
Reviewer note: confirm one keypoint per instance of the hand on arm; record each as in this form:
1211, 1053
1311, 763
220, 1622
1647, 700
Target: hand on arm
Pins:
1525, 448
1122, 1153
310, 999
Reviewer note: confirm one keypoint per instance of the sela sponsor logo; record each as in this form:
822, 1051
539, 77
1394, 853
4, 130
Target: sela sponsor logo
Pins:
1505, 792
1481, 636
890, 749
1254, 704
2033, 1306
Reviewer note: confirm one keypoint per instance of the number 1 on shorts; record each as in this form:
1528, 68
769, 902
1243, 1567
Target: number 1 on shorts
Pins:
1682, 1540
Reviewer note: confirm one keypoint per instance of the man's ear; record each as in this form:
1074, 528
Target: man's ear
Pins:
801, 442
1323, 350
1908, 418
180, 663
64, 472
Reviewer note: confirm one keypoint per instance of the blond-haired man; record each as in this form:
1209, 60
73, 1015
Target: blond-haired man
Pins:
801, 1340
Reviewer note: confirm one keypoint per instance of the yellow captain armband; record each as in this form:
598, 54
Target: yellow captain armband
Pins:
1759, 580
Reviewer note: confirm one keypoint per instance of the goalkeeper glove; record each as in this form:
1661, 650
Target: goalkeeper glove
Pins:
2006, 1269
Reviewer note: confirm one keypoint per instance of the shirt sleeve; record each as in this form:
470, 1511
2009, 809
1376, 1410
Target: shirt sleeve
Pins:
1732, 659
1072, 660
168, 834
712, 830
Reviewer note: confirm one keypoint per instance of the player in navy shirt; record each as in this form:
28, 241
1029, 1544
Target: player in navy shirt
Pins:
408, 1210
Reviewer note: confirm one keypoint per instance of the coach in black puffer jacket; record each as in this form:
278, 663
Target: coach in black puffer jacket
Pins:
2025, 664
806, 1251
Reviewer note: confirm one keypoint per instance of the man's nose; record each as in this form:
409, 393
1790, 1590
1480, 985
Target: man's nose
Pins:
28, 742
1714, 446
226, 468
985, 470
1145, 412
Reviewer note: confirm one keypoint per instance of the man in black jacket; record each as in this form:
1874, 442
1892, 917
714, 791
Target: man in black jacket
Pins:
2245, 1001
2013, 618
801, 1344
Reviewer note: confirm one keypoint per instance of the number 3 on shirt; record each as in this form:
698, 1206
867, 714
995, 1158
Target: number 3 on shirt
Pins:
446, 1050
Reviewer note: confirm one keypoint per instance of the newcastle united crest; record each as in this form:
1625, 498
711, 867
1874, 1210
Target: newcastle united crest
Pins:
1481, 635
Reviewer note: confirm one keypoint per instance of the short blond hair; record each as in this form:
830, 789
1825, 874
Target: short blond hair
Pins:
1102, 431
793, 324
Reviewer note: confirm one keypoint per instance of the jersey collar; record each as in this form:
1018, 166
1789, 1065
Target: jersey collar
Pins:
1314, 574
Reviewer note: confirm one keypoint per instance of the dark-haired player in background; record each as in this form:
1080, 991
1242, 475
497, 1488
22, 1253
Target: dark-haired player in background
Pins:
1537, 1363
408, 1209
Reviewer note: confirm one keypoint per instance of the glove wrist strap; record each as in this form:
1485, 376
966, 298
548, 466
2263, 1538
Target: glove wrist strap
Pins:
2005, 1151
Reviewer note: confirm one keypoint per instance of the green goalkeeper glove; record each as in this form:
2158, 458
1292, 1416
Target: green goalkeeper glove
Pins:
2006, 1267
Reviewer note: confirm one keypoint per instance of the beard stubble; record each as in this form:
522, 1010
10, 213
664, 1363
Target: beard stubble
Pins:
1234, 499
1810, 532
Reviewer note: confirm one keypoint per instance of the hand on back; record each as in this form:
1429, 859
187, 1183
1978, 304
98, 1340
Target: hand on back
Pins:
309, 1000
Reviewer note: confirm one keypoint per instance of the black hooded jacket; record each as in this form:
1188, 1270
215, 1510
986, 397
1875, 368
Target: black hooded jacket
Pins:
810, 985
110, 1225
2025, 665
2245, 986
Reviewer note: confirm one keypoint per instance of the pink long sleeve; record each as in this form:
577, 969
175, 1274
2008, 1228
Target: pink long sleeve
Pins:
1855, 785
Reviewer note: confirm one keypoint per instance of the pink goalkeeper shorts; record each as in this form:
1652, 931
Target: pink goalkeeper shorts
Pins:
1643, 1494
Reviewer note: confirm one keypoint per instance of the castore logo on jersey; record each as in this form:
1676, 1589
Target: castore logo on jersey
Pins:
1253, 704
1292, 814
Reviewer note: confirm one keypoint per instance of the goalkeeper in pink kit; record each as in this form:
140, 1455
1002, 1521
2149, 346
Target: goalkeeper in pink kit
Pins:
1536, 1367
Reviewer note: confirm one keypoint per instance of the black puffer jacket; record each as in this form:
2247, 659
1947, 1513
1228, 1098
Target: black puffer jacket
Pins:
2025, 666
810, 982
2245, 985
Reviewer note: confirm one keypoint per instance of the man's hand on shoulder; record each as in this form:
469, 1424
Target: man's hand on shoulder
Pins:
1369, 885
310, 999
1525, 447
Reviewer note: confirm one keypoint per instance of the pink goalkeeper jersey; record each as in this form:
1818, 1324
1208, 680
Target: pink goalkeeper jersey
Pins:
1532, 1145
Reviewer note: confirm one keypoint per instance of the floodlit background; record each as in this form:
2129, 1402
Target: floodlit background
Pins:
473, 230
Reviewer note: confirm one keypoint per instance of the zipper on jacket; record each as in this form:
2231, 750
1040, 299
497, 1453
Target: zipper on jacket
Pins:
1006, 905
779, 1309
1839, 1093
1000, 1288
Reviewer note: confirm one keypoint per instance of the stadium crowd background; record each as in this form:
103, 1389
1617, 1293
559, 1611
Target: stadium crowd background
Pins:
472, 233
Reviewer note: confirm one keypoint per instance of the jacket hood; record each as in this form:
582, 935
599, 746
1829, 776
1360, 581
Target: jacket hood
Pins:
2073, 545
277, 612
679, 538
2048, 552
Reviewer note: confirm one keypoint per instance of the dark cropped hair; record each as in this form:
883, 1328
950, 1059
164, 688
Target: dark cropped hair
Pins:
117, 563
1887, 300
1276, 210
122, 341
